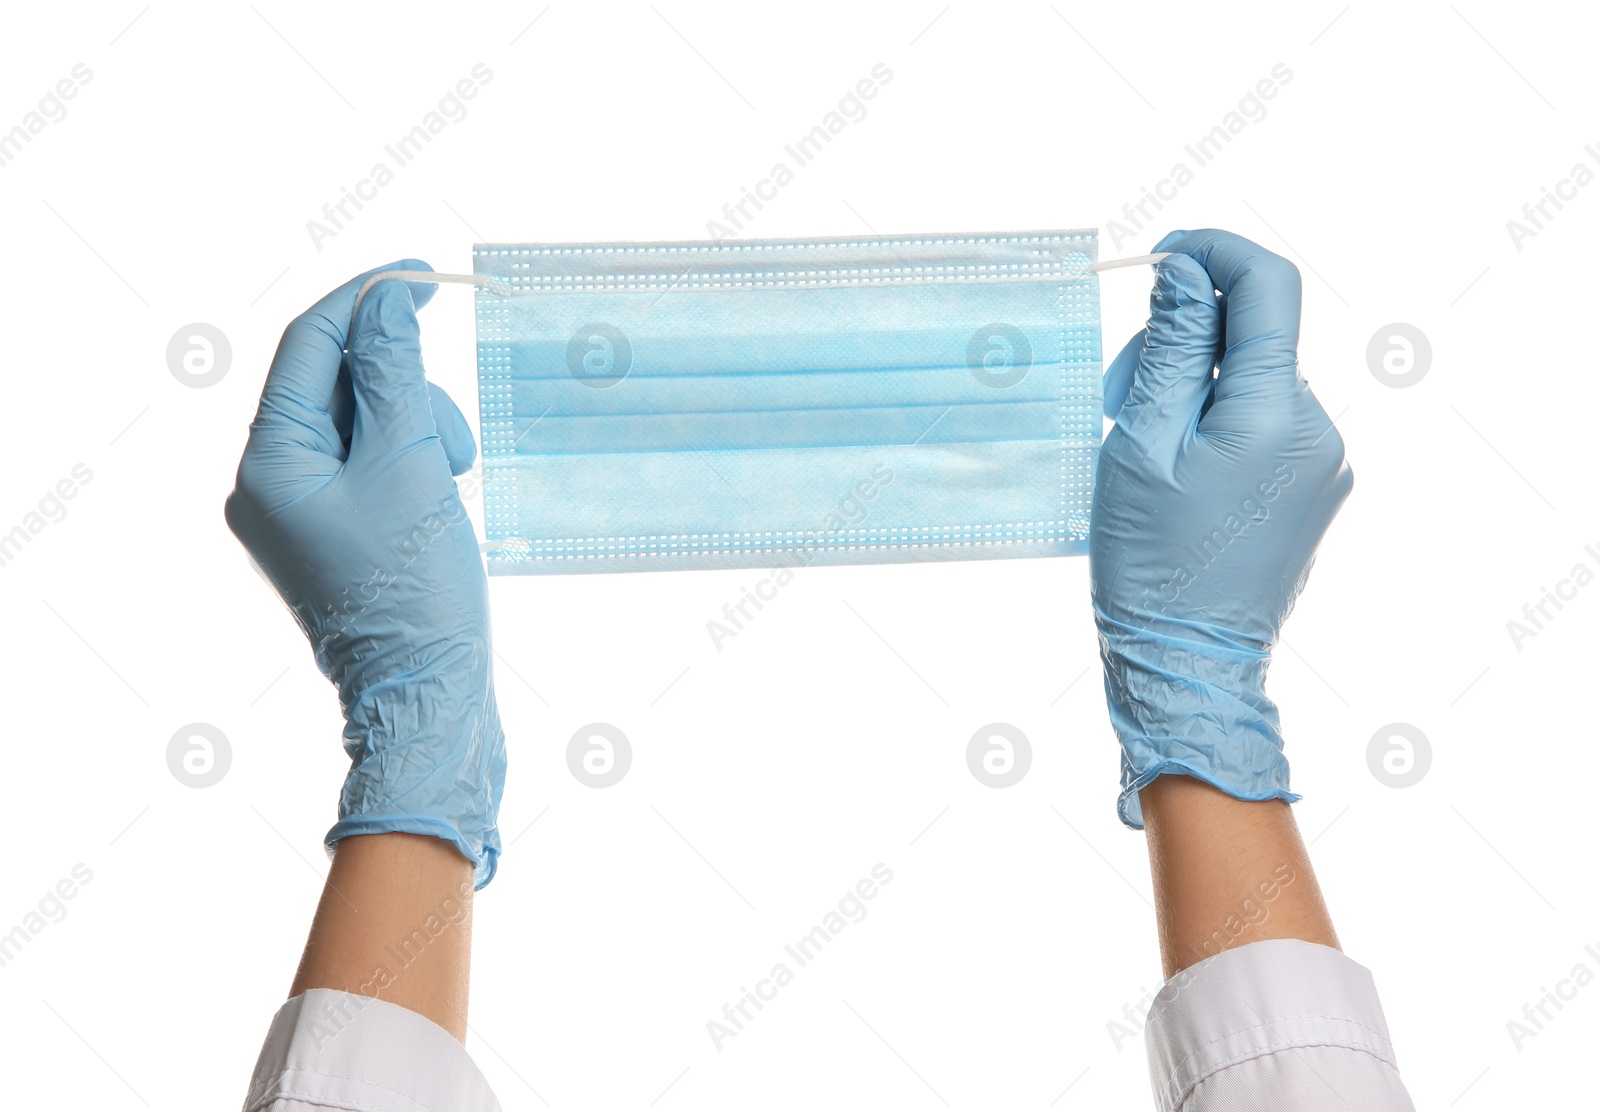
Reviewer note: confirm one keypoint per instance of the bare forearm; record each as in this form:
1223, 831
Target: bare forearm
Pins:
1226, 872
395, 922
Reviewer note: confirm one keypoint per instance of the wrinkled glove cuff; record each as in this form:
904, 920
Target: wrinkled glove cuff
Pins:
1222, 729
429, 763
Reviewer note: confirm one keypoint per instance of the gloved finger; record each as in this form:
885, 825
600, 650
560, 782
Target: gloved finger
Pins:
393, 408
1263, 310
342, 409
1118, 378
273, 474
300, 386
454, 433
1172, 372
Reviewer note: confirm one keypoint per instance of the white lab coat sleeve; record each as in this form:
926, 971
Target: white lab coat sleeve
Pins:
334, 1050
1280, 1024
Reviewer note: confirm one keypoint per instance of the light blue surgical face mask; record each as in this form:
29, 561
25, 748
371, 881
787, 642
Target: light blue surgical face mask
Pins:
659, 406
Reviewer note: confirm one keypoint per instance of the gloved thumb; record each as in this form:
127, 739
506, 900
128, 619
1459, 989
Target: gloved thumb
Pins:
454, 433
1119, 375
393, 409
1171, 360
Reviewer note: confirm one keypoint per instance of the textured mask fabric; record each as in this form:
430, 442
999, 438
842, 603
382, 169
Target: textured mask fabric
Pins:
660, 406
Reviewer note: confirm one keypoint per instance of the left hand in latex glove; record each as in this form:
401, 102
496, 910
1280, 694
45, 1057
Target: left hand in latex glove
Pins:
1211, 498
345, 500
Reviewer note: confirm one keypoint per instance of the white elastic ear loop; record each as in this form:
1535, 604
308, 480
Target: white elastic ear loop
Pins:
1113, 264
493, 285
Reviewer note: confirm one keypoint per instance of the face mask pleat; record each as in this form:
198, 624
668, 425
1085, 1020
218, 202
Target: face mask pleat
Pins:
710, 405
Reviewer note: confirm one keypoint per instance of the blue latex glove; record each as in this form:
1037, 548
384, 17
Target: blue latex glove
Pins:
345, 500
1211, 497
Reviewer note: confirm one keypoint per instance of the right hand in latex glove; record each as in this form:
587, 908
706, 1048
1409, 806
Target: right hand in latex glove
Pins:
1211, 498
345, 500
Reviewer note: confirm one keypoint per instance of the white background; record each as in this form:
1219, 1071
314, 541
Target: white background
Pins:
177, 190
